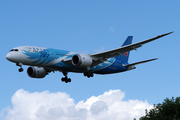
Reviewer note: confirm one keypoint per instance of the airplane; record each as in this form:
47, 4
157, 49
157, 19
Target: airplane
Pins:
42, 60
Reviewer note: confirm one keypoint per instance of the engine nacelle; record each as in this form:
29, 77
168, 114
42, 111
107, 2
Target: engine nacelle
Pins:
82, 60
36, 72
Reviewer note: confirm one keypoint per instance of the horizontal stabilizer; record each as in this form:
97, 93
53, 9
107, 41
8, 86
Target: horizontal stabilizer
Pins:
140, 62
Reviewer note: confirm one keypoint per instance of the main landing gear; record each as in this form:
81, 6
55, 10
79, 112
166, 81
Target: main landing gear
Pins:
65, 79
88, 74
20, 65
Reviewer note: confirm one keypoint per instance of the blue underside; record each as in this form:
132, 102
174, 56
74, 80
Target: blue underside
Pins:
112, 65
113, 68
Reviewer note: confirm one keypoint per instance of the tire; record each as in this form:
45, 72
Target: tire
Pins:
20, 69
62, 79
69, 79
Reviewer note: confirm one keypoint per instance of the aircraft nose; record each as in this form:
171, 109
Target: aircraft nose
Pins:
9, 56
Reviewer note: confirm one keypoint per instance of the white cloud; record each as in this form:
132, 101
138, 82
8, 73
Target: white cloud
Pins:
112, 29
59, 106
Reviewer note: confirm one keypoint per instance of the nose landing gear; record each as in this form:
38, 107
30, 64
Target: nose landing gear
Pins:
20, 65
21, 69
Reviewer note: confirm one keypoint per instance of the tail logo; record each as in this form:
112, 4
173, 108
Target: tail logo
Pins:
126, 53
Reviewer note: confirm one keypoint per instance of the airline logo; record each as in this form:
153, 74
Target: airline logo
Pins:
126, 53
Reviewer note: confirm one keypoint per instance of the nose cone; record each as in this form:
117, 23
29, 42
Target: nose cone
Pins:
9, 56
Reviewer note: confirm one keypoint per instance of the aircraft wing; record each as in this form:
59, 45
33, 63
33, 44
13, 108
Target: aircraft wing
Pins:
103, 56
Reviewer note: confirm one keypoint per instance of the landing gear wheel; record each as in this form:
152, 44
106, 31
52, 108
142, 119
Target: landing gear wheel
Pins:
88, 74
85, 74
92, 75
68, 80
21, 69
62, 79
65, 79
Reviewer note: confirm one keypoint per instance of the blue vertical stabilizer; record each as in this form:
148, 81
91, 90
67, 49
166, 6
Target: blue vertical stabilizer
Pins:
124, 57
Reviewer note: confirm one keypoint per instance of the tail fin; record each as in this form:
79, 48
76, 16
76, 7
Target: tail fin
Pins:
124, 57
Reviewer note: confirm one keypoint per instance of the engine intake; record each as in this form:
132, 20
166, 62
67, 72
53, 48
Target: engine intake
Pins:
82, 60
36, 72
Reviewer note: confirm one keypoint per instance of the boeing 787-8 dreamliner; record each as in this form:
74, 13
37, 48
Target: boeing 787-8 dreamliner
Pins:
42, 61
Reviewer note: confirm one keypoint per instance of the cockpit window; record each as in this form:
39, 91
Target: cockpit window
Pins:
14, 50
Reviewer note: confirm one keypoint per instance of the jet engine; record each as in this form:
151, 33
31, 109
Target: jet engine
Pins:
82, 60
36, 72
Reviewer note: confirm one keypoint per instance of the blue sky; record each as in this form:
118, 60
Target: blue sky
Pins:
88, 27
